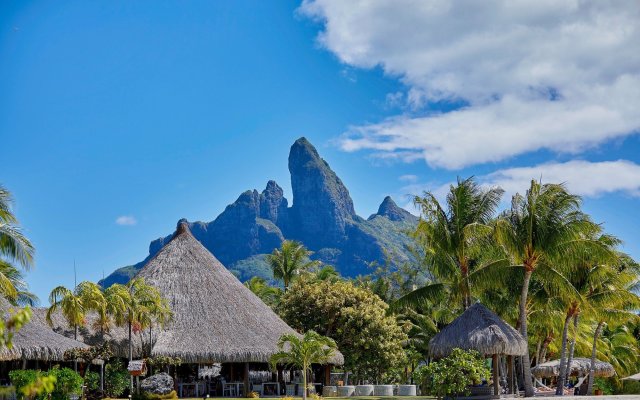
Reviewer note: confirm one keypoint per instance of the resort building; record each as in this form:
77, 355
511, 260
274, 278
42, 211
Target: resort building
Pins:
216, 320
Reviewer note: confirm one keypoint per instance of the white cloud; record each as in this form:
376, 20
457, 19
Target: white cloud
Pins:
584, 178
589, 179
126, 220
562, 76
408, 178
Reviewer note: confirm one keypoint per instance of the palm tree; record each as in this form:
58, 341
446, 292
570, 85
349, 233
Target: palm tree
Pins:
267, 293
289, 261
594, 281
15, 248
542, 230
615, 303
456, 241
298, 352
70, 305
14, 286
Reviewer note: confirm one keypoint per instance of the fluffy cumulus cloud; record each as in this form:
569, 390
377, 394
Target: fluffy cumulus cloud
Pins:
540, 74
584, 178
126, 220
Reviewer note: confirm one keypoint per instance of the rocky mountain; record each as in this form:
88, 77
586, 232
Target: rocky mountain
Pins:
322, 217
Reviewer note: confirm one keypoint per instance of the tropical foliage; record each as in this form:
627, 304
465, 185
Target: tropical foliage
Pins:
300, 353
370, 339
452, 375
289, 261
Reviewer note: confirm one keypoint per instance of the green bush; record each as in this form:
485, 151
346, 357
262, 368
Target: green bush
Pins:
68, 382
20, 379
65, 382
630, 387
116, 379
92, 380
452, 375
604, 384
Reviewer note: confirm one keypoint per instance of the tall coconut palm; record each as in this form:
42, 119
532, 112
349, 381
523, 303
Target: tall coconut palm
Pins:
541, 231
15, 248
297, 352
614, 304
289, 261
16, 289
456, 240
593, 281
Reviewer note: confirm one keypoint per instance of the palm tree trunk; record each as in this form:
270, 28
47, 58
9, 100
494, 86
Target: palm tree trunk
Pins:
75, 337
304, 383
538, 350
130, 359
526, 363
572, 348
563, 356
593, 358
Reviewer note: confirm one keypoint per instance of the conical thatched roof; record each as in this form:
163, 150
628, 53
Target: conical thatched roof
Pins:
215, 317
36, 341
579, 367
478, 328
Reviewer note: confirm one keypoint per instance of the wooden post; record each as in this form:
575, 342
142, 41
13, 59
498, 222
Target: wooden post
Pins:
327, 375
510, 374
246, 379
496, 376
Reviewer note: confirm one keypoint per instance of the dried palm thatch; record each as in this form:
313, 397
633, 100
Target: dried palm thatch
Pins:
36, 341
478, 329
117, 337
215, 317
579, 367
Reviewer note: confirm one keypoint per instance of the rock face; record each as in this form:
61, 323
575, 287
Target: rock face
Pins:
390, 209
322, 217
161, 384
322, 207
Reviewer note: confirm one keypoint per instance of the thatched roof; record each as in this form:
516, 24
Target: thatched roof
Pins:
216, 318
36, 341
579, 367
116, 336
479, 329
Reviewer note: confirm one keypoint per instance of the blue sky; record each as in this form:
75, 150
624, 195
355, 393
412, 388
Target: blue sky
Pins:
146, 112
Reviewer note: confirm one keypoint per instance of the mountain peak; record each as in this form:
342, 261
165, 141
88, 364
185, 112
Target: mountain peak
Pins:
388, 208
322, 205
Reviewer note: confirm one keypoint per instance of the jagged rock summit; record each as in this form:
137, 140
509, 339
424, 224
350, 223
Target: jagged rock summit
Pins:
322, 216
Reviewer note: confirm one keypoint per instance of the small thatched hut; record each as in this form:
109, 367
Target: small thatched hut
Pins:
480, 329
579, 367
36, 341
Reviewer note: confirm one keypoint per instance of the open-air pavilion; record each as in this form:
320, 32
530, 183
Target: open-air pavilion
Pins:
480, 329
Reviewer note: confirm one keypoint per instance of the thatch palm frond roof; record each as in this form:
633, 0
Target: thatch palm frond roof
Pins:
579, 367
480, 329
215, 317
35, 341
117, 337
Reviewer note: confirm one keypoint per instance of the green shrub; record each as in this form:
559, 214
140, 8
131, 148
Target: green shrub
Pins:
452, 375
92, 380
68, 382
21, 379
116, 379
604, 384
630, 387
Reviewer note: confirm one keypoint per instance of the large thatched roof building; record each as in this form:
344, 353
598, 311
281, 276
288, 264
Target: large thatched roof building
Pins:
215, 317
36, 341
